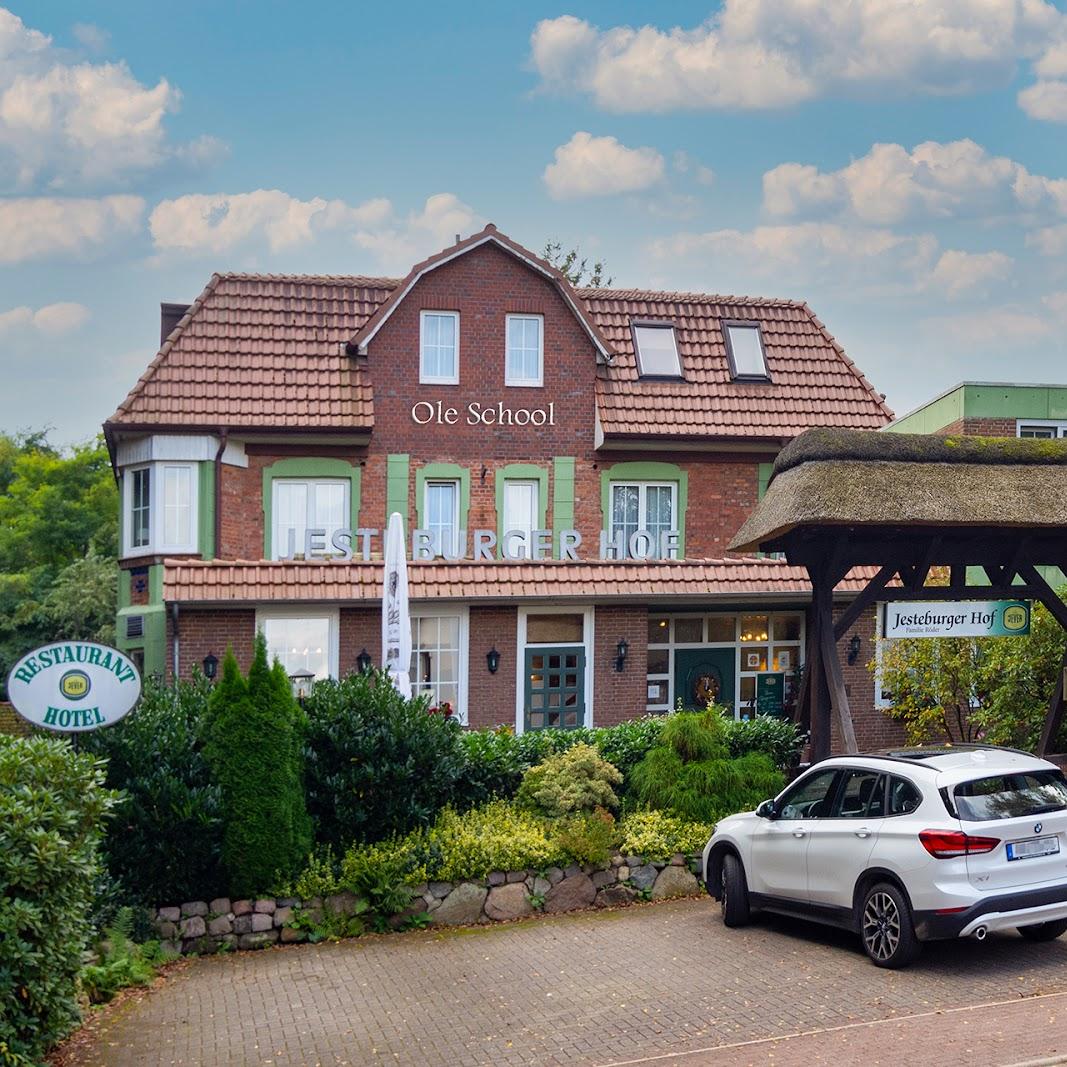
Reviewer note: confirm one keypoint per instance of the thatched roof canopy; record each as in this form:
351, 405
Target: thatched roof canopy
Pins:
870, 479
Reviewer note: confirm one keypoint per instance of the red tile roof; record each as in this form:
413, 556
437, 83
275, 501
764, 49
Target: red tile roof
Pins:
243, 582
813, 382
262, 351
269, 351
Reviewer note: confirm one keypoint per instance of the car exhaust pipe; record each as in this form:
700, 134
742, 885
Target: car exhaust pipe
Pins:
979, 933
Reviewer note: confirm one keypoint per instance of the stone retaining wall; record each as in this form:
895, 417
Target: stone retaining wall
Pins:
220, 924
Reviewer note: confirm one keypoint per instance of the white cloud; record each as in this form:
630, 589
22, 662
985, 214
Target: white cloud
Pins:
1057, 304
959, 272
1000, 328
67, 125
817, 254
685, 164
601, 166
934, 180
90, 36
777, 53
39, 227
1049, 241
211, 224
400, 242
1046, 100
51, 320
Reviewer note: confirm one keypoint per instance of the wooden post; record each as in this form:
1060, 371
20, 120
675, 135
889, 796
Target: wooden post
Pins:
1054, 719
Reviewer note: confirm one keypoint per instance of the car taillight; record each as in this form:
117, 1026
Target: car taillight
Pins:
947, 844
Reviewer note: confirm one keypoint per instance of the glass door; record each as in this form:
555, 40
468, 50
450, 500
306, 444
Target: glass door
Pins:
554, 693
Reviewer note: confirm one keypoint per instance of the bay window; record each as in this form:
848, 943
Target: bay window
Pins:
160, 508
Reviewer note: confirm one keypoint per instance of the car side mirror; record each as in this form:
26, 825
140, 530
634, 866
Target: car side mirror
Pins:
767, 810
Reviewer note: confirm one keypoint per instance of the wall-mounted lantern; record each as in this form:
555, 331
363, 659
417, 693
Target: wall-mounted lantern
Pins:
301, 683
492, 660
363, 663
854, 649
621, 650
211, 666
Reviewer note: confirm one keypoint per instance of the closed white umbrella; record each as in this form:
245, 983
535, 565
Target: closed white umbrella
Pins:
396, 622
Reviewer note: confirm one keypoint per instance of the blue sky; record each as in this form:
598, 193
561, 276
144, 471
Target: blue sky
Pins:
901, 167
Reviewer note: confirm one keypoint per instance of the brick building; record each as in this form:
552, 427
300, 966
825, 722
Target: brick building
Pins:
573, 462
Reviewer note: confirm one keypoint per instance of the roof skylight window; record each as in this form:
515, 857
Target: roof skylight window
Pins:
657, 350
744, 349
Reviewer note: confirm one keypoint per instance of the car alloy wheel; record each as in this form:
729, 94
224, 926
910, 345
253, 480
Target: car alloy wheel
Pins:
881, 926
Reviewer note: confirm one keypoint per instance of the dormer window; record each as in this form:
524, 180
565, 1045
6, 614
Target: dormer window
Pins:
744, 350
657, 350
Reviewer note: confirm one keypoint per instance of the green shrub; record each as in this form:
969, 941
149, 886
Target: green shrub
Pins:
155, 757
53, 803
377, 764
496, 760
780, 739
657, 836
587, 837
689, 772
120, 962
574, 781
254, 731
377, 874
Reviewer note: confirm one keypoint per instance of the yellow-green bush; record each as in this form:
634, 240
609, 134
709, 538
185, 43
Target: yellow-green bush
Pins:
587, 837
573, 781
657, 836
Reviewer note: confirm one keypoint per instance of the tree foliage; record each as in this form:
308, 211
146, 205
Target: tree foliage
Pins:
52, 808
576, 270
254, 737
58, 540
993, 689
690, 772
164, 843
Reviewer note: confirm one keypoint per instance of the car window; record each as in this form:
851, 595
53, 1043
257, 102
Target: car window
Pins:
1007, 796
904, 798
810, 798
861, 796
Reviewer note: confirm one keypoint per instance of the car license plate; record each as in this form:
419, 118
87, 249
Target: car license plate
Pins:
1039, 846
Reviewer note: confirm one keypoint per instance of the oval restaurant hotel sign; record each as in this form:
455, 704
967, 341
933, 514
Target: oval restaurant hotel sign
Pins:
73, 686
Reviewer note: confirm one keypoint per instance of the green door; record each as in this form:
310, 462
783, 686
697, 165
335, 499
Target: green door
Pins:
555, 687
703, 676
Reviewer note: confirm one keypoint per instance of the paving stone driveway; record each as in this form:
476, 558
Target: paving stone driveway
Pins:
588, 988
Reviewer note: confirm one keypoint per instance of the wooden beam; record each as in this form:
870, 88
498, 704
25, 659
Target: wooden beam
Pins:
1041, 590
935, 593
1054, 720
836, 684
867, 596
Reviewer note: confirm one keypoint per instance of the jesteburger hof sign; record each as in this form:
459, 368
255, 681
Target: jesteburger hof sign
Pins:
73, 686
963, 618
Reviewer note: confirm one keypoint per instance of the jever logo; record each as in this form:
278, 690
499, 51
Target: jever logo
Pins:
1015, 618
75, 684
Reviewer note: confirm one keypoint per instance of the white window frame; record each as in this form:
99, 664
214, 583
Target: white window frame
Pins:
642, 508
451, 611
506, 527
428, 379
309, 611
1057, 425
527, 383
588, 643
275, 534
443, 550
156, 518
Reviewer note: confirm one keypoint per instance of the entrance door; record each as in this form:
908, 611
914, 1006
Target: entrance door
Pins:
555, 687
704, 676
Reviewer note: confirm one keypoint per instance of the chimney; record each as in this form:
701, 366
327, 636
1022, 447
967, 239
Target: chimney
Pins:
169, 317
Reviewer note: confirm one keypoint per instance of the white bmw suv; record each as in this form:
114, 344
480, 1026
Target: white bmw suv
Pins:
904, 847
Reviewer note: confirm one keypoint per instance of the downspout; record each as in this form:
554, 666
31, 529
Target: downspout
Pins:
223, 435
176, 635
